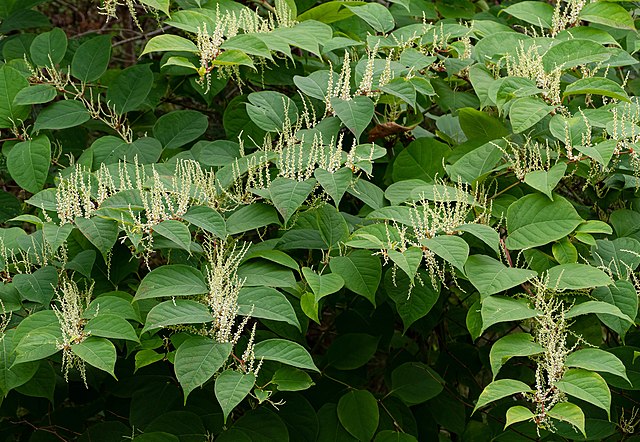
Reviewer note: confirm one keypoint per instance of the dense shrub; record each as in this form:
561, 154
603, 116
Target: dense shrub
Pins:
331, 221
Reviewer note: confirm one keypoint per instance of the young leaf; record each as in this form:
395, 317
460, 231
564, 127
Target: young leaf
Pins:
499, 389
322, 285
516, 414
546, 181
231, 388
570, 413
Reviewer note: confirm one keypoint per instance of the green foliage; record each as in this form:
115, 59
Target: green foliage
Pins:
319, 221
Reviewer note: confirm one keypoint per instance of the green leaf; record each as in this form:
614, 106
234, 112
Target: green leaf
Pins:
91, 59
601, 152
291, 379
538, 14
422, 160
168, 42
587, 386
534, 221
570, 413
412, 302
597, 307
571, 53
288, 195
352, 350
112, 305
28, 163
160, 5
37, 94
207, 219
473, 165
546, 181
623, 295
408, 261
595, 359
597, 86
231, 388
286, 352
315, 84
172, 280
62, 115
11, 82
177, 312
48, 48
360, 271
484, 233
111, 326
490, 276
12, 376
525, 112
358, 413
37, 286
197, 360
415, 383
515, 344
565, 252
608, 14
266, 303
178, 128
376, 15
332, 226
101, 232
233, 57
251, 217
98, 352
174, 231
621, 255
130, 88
322, 285
401, 88
577, 276
496, 309
516, 414
355, 114
249, 44
37, 344
452, 249
480, 125
271, 111
499, 389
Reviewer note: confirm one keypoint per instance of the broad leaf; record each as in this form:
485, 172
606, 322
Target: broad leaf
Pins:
197, 360
172, 280
588, 386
